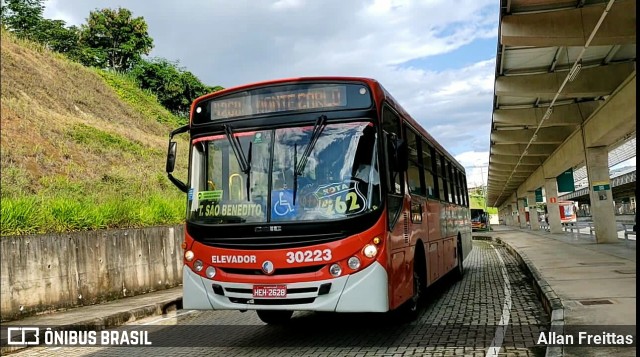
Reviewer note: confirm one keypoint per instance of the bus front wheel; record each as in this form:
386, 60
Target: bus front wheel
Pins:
274, 317
459, 272
411, 309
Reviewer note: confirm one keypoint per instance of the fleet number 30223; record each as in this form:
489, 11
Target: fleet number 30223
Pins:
309, 256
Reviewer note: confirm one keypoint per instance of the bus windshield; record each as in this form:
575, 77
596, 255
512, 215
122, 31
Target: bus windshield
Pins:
339, 176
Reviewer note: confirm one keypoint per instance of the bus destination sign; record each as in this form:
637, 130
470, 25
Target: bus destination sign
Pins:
295, 97
278, 101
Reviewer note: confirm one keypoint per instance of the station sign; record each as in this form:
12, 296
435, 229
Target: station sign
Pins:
538, 193
566, 182
601, 186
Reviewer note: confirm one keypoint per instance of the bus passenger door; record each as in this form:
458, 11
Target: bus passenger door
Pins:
397, 207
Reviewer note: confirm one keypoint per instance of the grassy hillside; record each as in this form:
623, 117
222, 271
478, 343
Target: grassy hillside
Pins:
80, 148
478, 202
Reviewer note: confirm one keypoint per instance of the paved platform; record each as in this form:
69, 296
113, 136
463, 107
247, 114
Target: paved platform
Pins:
580, 282
103, 316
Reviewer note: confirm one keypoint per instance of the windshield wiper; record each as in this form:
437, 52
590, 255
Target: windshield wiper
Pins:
295, 175
248, 183
245, 164
321, 123
319, 126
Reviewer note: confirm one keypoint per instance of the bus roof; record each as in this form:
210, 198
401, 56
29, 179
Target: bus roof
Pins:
378, 91
282, 81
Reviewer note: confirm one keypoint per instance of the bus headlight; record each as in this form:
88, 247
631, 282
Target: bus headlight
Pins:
335, 270
188, 255
353, 263
211, 272
370, 251
197, 265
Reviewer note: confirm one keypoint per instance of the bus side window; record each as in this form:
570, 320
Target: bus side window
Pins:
391, 127
415, 173
395, 179
427, 168
434, 172
454, 183
442, 188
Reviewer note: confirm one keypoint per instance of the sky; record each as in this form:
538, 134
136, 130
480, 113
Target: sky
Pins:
436, 57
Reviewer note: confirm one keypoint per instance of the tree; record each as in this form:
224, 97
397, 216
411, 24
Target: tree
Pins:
174, 87
57, 37
192, 89
114, 39
162, 78
22, 17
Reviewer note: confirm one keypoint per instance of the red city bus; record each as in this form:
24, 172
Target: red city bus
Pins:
567, 211
317, 194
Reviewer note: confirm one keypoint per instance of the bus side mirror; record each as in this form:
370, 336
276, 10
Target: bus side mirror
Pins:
171, 156
171, 159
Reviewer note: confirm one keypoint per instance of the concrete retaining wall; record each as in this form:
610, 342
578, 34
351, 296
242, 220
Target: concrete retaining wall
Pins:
42, 273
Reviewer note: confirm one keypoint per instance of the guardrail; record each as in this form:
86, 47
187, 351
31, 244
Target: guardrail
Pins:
544, 226
570, 226
629, 229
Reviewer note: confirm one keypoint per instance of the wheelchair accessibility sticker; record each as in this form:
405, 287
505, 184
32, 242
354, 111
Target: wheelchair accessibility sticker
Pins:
282, 204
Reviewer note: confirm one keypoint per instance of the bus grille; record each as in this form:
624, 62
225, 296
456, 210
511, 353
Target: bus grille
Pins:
282, 271
272, 242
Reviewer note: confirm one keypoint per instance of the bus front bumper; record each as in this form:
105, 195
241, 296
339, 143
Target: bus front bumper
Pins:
364, 291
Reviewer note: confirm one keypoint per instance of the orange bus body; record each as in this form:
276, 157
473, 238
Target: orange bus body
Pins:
428, 234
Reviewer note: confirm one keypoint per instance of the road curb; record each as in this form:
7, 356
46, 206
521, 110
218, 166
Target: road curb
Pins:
112, 320
549, 299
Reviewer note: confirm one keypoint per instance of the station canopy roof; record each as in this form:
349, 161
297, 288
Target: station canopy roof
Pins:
557, 62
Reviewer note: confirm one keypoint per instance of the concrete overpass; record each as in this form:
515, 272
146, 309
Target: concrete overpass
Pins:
622, 186
565, 89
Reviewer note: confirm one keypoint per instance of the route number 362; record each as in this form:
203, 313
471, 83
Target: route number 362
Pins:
309, 256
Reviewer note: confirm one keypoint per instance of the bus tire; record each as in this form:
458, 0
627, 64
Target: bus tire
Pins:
459, 271
274, 317
410, 310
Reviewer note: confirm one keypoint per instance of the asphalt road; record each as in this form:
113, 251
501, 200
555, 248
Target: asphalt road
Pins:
492, 311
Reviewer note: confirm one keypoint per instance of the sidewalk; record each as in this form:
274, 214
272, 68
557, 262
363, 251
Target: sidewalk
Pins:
107, 315
581, 282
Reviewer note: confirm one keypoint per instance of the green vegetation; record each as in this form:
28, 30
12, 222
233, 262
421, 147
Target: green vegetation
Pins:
477, 200
112, 40
175, 87
102, 141
84, 147
75, 155
31, 215
141, 100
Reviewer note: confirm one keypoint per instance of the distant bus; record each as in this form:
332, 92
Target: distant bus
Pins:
479, 219
567, 211
317, 194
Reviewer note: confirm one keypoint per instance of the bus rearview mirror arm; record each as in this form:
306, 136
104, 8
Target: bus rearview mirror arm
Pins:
171, 158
